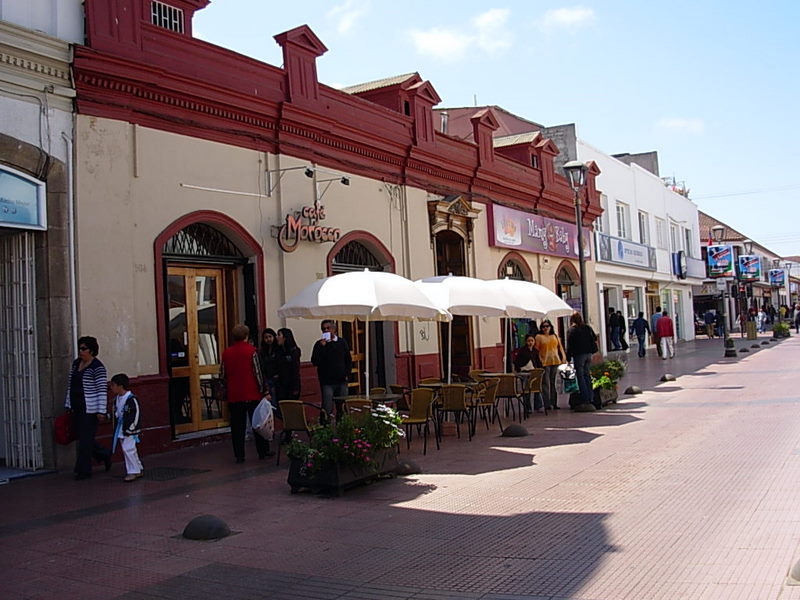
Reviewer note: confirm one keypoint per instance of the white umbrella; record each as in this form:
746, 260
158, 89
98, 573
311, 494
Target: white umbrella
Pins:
464, 296
368, 295
525, 299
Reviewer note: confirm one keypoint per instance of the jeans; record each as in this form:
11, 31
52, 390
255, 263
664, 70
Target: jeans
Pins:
582, 364
239, 412
549, 393
88, 448
640, 338
330, 390
615, 338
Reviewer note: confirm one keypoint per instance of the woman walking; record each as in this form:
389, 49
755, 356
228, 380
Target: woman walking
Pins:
87, 398
581, 344
551, 354
288, 366
268, 355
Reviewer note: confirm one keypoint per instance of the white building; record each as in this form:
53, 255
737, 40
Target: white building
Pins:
647, 244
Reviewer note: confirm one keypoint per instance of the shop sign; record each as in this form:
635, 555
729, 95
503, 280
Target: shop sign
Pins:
651, 287
22, 201
720, 261
533, 233
623, 252
749, 267
777, 277
304, 226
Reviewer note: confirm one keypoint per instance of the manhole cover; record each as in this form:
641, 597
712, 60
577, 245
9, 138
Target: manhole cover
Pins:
169, 473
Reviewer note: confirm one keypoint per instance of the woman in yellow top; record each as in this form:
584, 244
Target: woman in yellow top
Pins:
551, 354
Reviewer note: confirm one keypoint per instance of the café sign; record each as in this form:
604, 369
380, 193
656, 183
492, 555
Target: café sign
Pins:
304, 226
533, 233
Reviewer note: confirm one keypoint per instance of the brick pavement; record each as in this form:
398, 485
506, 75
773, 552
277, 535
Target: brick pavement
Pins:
688, 491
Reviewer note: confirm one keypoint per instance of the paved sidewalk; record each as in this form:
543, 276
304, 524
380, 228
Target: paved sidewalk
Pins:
688, 491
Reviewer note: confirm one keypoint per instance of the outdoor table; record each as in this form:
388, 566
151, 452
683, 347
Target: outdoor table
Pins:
387, 398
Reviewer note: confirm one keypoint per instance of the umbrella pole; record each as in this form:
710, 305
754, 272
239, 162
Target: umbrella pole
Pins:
450, 351
507, 346
366, 355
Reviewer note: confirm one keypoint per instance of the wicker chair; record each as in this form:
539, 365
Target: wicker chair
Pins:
475, 375
509, 390
404, 404
534, 384
452, 399
486, 402
420, 416
293, 414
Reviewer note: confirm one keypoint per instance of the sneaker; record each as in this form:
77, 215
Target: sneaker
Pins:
132, 477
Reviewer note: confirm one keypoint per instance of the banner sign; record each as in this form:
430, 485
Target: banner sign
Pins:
749, 267
616, 250
777, 277
533, 233
22, 201
720, 261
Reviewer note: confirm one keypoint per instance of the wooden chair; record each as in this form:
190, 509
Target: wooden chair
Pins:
430, 380
377, 390
486, 402
452, 398
509, 390
421, 414
475, 375
404, 404
534, 385
293, 414
358, 407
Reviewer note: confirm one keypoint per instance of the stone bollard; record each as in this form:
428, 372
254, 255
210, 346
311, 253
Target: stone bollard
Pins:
667, 377
206, 527
515, 430
633, 390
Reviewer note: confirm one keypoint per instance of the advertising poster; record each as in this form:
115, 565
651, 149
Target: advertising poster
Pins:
777, 277
749, 267
720, 261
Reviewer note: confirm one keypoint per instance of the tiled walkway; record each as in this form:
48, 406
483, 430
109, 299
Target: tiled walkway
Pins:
688, 491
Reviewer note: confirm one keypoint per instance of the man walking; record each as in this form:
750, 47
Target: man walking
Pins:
615, 324
709, 318
331, 356
653, 322
641, 327
665, 332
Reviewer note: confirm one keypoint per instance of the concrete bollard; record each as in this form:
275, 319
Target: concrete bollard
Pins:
206, 527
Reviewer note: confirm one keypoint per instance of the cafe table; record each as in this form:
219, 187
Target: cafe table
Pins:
385, 398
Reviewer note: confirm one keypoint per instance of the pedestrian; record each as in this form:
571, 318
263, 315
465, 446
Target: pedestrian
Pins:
331, 356
797, 320
641, 328
268, 355
614, 325
241, 373
551, 354
288, 366
761, 320
709, 318
622, 330
87, 400
127, 414
527, 359
666, 332
581, 345
653, 322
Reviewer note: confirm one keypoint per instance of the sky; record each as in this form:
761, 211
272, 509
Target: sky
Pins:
711, 85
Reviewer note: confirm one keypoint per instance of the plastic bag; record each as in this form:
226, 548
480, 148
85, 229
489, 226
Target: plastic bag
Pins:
568, 379
264, 420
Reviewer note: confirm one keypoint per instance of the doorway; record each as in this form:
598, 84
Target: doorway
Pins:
197, 327
451, 260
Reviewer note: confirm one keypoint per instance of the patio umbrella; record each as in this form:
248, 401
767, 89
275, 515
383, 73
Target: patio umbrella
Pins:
464, 296
367, 295
525, 299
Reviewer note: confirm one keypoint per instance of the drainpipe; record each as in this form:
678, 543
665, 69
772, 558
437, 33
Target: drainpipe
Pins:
73, 286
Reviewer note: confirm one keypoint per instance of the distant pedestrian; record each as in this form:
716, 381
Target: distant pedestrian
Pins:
551, 354
797, 320
761, 320
653, 321
615, 322
666, 332
641, 328
331, 356
581, 345
127, 415
709, 318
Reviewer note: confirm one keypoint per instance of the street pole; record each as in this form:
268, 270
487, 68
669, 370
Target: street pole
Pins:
581, 259
730, 348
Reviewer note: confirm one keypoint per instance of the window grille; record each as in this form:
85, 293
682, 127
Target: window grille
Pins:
166, 16
512, 270
199, 239
354, 256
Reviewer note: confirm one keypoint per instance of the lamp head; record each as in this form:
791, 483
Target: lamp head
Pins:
748, 246
718, 233
576, 173
309, 172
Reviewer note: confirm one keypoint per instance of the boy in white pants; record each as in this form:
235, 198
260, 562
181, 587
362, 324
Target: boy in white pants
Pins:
127, 413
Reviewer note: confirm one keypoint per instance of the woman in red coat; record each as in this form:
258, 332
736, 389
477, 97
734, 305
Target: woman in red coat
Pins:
241, 371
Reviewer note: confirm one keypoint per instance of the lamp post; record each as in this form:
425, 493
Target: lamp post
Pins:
718, 233
576, 175
776, 301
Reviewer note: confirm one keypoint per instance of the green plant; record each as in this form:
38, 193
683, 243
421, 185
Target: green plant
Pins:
606, 374
351, 441
780, 329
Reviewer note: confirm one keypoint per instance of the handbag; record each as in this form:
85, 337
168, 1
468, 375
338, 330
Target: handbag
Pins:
64, 429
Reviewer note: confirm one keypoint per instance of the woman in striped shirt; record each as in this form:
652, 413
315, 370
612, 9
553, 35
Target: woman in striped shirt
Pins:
87, 398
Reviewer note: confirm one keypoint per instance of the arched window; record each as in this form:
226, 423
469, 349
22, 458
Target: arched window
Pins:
355, 256
202, 240
513, 270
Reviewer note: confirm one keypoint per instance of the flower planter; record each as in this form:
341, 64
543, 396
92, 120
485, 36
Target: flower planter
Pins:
604, 397
336, 477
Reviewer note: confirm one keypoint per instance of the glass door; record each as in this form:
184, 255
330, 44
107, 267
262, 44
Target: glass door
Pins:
195, 338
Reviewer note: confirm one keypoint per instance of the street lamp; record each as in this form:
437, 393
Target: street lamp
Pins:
718, 234
576, 174
776, 301
746, 286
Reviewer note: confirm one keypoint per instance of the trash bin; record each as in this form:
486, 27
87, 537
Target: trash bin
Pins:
751, 330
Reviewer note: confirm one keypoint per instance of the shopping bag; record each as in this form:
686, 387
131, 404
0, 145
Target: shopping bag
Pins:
264, 420
64, 429
570, 385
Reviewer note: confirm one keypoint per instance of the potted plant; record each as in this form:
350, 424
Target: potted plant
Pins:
605, 376
781, 330
356, 448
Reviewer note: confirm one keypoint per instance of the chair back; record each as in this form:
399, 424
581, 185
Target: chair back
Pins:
534, 383
357, 405
490, 392
453, 396
377, 390
475, 375
421, 401
508, 386
430, 380
293, 413
405, 402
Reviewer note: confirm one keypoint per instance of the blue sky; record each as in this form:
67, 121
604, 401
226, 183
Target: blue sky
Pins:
711, 85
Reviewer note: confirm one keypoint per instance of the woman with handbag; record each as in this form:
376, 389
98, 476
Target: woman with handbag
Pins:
87, 399
551, 354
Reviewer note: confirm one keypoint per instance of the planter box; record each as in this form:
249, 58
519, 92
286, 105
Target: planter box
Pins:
335, 477
605, 397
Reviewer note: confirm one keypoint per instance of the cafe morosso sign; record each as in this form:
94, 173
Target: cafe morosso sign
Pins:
304, 226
